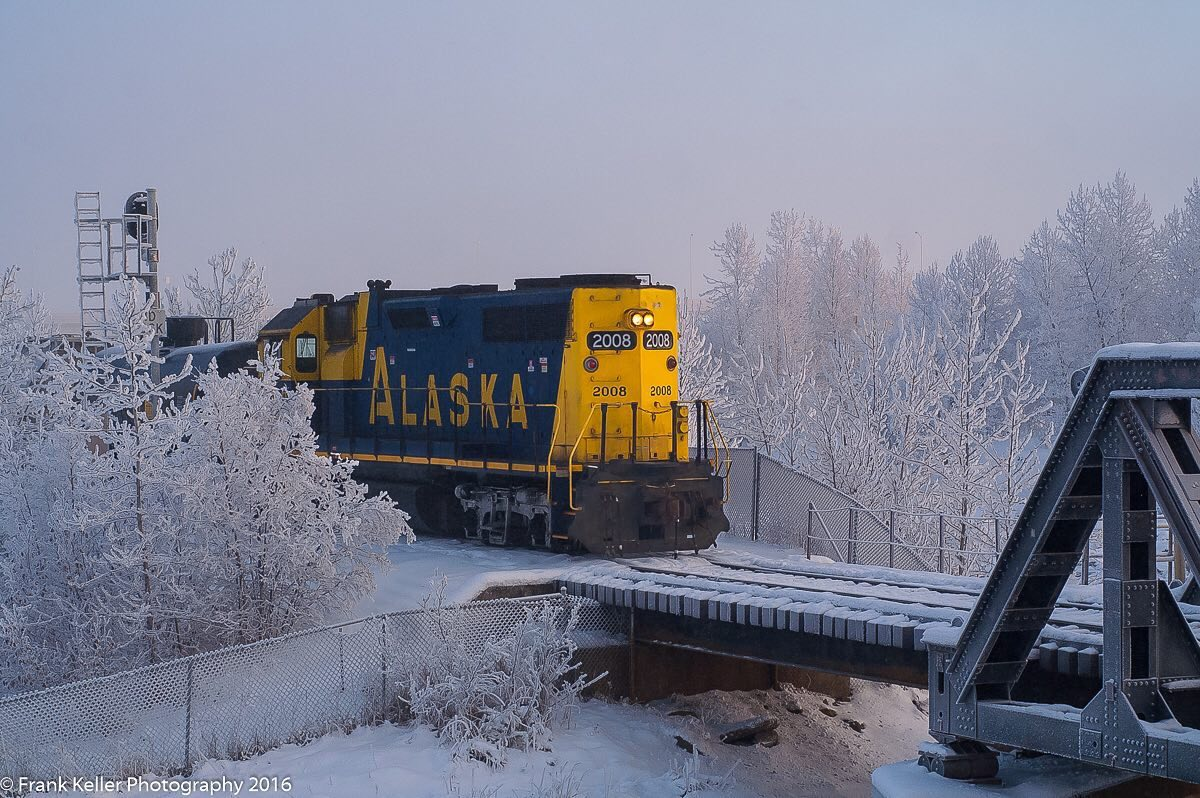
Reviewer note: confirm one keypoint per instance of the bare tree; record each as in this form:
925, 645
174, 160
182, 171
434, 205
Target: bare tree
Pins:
227, 289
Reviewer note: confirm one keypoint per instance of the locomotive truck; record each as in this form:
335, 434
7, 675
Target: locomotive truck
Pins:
545, 415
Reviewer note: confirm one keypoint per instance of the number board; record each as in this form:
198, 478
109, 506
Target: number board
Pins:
617, 340
658, 340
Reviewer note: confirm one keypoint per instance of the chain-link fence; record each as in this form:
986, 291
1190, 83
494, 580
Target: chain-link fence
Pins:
948, 544
242, 700
774, 503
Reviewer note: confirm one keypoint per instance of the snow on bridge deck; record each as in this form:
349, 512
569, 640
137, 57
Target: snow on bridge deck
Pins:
868, 605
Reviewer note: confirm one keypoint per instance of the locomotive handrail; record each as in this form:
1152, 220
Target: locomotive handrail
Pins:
550, 455
709, 414
721, 459
571, 460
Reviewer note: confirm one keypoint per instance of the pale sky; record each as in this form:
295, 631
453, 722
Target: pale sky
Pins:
443, 142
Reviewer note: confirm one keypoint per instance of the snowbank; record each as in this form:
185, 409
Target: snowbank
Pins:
470, 567
826, 748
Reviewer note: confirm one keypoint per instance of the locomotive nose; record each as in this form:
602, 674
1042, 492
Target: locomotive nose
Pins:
644, 507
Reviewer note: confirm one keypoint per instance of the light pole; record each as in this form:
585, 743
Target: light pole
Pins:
691, 280
921, 238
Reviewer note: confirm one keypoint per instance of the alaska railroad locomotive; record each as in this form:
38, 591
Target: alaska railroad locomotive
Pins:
546, 415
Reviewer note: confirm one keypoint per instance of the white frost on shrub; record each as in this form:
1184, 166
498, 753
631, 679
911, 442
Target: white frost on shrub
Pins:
483, 697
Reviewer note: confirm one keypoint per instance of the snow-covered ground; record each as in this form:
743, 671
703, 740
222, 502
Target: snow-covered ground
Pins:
826, 748
623, 751
470, 567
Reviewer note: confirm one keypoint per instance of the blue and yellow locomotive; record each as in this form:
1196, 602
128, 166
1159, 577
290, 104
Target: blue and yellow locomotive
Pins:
546, 415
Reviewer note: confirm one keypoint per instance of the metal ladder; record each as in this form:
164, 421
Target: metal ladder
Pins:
90, 262
106, 250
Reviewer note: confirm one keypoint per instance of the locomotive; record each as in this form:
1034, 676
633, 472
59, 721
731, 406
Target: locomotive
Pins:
545, 415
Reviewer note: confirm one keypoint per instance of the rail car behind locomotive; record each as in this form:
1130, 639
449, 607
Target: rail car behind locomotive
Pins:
546, 415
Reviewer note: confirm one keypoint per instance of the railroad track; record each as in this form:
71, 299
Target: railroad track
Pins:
867, 604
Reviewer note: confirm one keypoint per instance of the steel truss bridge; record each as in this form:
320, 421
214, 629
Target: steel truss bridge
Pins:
1107, 674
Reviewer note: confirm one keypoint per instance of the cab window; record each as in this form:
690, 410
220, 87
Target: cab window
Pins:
306, 353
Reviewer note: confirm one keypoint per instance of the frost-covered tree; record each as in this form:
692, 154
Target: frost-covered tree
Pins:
286, 535
831, 310
765, 400
90, 565
226, 289
134, 529
781, 290
1041, 282
701, 373
731, 293
1021, 437
1100, 274
940, 299
931, 392
24, 325
1110, 261
845, 425
985, 429
914, 400
1179, 243
969, 371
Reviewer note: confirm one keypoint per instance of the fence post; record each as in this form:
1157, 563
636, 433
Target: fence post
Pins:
891, 538
755, 498
633, 653
851, 552
566, 602
341, 663
1086, 551
187, 722
996, 532
808, 535
383, 661
941, 543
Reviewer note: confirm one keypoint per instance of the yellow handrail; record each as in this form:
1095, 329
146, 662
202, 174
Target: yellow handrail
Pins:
571, 460
724, 447
550, 454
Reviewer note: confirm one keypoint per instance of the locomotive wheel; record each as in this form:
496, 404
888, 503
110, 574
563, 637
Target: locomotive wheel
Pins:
536, 536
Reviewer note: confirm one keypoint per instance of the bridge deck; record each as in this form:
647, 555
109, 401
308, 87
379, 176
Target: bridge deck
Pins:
873, 607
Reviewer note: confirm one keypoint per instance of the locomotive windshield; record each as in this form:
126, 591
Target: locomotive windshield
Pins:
306, 353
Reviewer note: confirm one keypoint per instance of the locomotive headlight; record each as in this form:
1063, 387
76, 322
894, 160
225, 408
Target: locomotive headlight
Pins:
590, 364
639, 317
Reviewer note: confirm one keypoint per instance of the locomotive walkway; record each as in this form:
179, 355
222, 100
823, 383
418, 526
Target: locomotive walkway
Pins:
863, 621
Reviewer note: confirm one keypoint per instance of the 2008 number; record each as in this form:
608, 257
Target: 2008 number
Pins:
608, 390
660, 390
611, 340
658, 339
